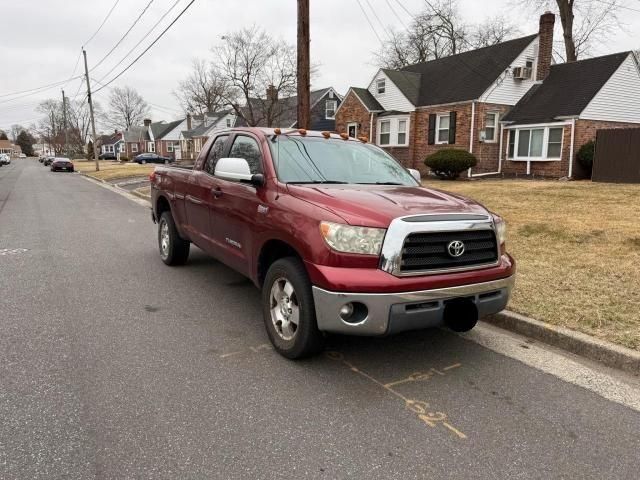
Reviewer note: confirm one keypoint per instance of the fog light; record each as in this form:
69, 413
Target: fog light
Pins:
346, 311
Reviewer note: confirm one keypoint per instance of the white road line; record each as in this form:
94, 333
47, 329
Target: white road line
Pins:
617, 387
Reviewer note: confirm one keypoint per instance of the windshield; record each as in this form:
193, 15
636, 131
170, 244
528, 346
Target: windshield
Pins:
320, 160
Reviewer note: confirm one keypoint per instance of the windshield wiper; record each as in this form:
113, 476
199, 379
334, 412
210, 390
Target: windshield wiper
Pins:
380, 183
318, 181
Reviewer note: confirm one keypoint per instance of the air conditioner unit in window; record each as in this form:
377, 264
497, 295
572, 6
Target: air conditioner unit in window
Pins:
482, 135
521, 73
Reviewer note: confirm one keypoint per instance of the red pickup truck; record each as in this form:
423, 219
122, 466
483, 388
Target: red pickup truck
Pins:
338, 235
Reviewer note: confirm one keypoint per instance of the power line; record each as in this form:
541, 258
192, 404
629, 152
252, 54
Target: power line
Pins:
39, 90
370, 23
393, 10
121, 38
102, 24
141, 40
149, 47
54, 84
617, 5
75, 67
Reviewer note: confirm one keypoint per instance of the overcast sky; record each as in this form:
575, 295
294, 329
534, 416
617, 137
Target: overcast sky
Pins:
41, 41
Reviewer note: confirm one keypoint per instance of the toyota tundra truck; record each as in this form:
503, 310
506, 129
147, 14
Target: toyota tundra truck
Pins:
339, 237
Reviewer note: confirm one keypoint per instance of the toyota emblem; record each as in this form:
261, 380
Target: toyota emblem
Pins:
455, 248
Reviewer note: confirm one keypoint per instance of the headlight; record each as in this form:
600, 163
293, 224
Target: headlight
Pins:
348, 239
501, 230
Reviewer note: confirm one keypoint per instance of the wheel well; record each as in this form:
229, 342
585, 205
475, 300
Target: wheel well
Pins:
162, 205
271, 251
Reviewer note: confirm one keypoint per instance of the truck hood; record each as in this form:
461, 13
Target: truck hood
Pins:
377, 205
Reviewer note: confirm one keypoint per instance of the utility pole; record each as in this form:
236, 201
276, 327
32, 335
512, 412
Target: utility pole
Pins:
64, 122
303, 65
93, 121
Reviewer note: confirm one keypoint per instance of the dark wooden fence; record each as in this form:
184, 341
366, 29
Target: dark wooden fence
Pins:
617, 157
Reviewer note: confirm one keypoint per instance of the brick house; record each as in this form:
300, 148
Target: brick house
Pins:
145, 138
544, 131
110, 145
451, 102
472, 101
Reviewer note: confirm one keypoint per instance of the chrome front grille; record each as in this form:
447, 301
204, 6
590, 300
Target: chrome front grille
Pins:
418, 244
426, 251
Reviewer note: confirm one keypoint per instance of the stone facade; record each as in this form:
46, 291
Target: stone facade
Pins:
353, 111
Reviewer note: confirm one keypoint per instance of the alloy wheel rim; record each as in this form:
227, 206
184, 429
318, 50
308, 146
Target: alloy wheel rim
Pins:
285, 309
164, 239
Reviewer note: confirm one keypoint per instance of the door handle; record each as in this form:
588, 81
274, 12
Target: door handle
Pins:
216, 192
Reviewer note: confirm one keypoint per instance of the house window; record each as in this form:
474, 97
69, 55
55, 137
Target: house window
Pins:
170, 147
540, 143
442, 128
394, 132
385, 132
554, 145
134, 148
151, 147
380, 85
491, 126
402, 132
228, 122
352, 130
123, 148
330, 109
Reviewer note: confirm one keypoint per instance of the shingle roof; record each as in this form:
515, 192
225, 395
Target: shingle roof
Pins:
168, 127
367, 99
460, 77
567, 90
108, 139
136, 134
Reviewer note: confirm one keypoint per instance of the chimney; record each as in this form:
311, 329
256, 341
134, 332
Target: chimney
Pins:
545, 45
147, 122
272, 94
188, 121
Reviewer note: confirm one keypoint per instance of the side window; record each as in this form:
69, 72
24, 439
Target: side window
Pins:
214, 154
247, 148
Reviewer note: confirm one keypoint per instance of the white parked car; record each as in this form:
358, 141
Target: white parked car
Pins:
22, 155
4, 159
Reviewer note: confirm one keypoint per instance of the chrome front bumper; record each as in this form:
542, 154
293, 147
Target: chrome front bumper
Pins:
396, 312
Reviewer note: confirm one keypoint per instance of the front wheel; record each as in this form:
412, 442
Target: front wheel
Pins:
143, 161
289, 311
173, 249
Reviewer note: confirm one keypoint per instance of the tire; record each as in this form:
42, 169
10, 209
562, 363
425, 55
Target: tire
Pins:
142, 162
176, 250
289, 275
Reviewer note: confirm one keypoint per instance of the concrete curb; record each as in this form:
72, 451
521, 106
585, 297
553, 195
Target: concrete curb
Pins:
607, 353
142, 201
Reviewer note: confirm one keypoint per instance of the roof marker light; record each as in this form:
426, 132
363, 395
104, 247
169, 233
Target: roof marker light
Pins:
326, 134
302, 131
344, 136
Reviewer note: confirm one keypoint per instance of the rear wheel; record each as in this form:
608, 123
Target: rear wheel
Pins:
143, 161
174, 250
289, 311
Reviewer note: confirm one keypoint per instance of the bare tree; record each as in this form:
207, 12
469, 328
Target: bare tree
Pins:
251, 62
15, 131
126, 108
439, 31
492, 31
204, 90
584, 22
50, 127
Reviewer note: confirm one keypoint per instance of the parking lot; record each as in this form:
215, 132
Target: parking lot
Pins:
113, 365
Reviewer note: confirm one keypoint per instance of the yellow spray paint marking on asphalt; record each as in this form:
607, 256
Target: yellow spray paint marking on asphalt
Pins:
256, 349
420, 408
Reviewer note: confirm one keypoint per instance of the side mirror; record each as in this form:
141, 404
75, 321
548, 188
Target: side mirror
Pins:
237, 170
415, 174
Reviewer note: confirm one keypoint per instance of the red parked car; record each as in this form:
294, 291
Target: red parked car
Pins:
337, 234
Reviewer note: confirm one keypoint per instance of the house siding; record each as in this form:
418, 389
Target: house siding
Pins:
619, 99
392, 98
507, 90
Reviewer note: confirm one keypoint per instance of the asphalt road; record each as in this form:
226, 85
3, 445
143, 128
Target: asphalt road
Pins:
113, 365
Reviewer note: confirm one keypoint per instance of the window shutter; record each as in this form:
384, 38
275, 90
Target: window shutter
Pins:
452, 127
432, 129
